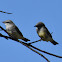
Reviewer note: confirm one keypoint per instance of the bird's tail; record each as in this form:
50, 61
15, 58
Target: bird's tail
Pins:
25, 39
54, 42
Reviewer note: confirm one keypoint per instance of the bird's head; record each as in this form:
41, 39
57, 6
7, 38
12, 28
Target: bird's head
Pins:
7, 22
39, 24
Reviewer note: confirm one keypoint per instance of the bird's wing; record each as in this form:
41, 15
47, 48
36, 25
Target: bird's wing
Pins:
48, 32
18, 31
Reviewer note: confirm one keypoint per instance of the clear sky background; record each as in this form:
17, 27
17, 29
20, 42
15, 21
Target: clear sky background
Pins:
26, 14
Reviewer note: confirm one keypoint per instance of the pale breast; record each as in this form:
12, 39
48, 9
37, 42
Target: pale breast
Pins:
41, 32
9, 26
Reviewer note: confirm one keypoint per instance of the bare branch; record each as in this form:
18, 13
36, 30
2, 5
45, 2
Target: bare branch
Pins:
29, 45
45, 52
25, 44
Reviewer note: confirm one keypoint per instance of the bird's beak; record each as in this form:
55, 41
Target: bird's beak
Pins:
3, 22
35, 26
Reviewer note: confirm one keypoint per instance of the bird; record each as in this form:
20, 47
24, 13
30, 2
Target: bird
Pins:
13, 31
44, 33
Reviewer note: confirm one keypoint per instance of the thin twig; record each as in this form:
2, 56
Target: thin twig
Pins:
25, 44
3, 29
5, 12
34, 41
45, 52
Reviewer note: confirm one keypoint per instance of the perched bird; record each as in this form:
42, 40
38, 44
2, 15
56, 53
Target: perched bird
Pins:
13, 30
43, 33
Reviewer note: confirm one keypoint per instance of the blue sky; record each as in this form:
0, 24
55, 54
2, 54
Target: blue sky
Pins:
26, 13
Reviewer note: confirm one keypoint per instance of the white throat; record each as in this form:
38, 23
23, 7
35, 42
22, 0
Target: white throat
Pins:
9, 26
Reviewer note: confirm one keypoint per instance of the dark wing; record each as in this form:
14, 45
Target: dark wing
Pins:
18, 31
48, 32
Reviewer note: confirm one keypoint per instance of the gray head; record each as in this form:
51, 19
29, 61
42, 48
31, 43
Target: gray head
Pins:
8, 24
7, 21
39, 24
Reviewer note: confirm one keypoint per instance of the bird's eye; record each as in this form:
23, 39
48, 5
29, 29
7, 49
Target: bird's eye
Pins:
7, 22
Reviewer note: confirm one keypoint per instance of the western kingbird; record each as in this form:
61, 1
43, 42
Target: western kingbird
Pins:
13, 31
43, 33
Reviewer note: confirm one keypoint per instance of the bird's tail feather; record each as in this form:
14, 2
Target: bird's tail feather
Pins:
54, 42
25, 39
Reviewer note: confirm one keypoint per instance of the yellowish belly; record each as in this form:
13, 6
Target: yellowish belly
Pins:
41, 34
45, 36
